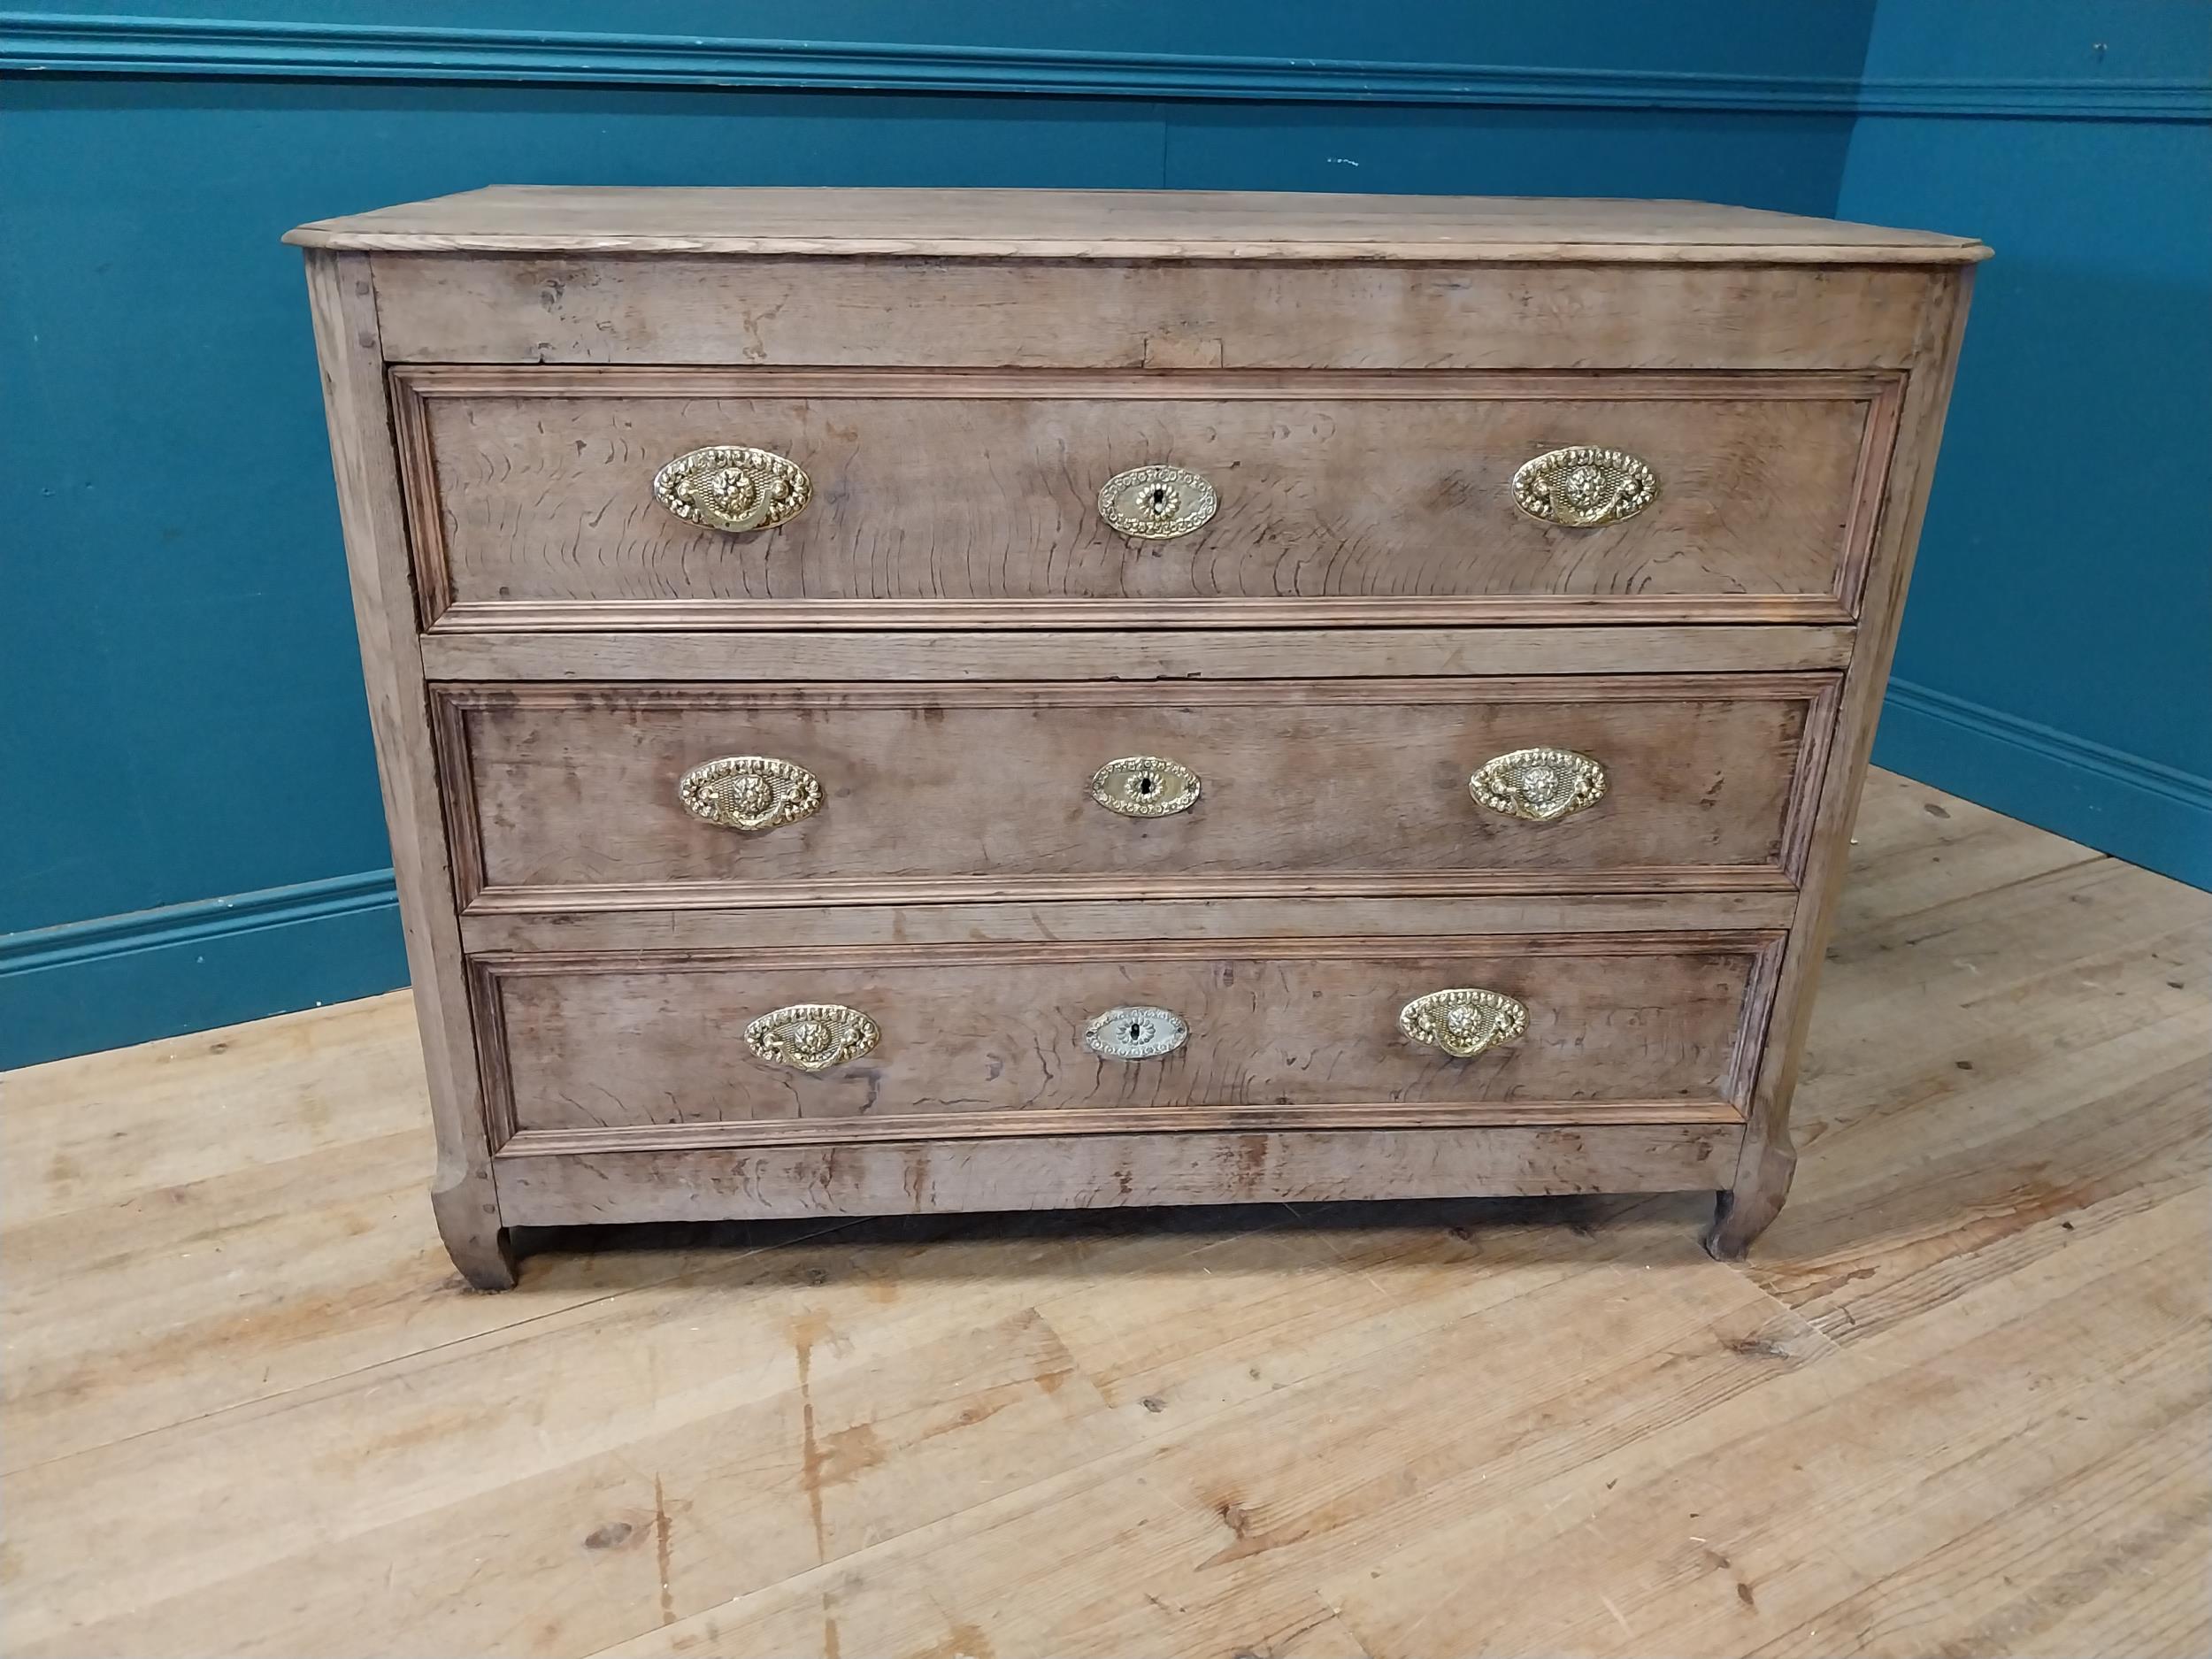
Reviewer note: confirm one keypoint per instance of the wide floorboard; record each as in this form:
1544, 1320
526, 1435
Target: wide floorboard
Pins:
1958, 1401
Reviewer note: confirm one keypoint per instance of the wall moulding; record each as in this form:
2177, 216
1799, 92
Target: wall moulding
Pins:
60, 43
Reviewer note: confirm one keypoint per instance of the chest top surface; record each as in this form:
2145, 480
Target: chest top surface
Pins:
1120, 224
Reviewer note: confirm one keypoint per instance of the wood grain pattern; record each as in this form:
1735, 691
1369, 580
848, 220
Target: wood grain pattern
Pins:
931, 1130
1115, 224
988, 1035
1972, 1346
1122, 314
566, 796
1107, 1171
1030, 653
1315, 916
371, 514
1769, 1158
978, 488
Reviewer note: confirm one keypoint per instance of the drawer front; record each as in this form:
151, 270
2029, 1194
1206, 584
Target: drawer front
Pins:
929, 1041
574, 797
923, 497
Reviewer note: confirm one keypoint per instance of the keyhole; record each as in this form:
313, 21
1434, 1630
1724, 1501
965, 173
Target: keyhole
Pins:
1136, 1032
1147, 785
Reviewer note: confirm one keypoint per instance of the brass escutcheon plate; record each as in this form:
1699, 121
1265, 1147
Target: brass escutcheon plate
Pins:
749, 792
1157, 502
734, 489
1463, 1021
1144, 785
1541, 785
1135, 1033
812, 1036
1580, 486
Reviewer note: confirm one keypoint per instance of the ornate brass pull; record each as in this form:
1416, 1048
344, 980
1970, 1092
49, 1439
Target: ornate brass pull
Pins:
1157, 502
812, 1036
1541, 785
1579, 487
734, 489
1463, 1021
1135, 1033
749, 792
1144, 785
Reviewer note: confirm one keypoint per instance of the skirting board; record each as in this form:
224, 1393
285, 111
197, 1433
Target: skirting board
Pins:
2119, 803
119, 980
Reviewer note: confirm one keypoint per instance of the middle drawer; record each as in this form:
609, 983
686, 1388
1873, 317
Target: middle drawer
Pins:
622, 797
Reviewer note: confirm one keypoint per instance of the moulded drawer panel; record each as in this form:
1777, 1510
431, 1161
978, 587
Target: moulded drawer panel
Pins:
569, 796
952, 500
992, 1040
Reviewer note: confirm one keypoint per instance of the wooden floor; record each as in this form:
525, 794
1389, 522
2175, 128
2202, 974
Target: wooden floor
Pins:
1959, 1401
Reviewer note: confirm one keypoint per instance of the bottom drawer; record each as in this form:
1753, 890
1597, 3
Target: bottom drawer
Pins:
913, 1042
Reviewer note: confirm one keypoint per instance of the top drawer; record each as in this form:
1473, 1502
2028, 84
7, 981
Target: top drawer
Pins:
926, 498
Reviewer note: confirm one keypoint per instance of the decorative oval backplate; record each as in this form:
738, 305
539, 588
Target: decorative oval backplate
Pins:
812, 1036
1157, 502
1541, 785
1135, 1033
749, 792
1463, 1021
1580, 486
730, 487
1144, 785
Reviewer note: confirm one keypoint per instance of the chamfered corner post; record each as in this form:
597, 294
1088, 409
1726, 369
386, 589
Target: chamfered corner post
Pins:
373, 515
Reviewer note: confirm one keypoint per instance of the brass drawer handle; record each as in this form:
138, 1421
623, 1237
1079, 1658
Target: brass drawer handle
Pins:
812, 1036
1157, 502
729, 486
1579, 487
749, 792
1135, 1033
1463, 1021
1541, 785
1144, 785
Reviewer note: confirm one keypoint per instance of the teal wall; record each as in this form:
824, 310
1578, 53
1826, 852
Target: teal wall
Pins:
186, 796
2056, 659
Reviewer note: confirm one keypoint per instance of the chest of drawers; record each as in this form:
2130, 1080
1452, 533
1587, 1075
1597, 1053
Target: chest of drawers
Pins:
906, 700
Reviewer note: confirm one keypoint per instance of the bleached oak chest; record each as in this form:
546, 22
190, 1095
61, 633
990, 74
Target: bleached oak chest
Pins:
903, 701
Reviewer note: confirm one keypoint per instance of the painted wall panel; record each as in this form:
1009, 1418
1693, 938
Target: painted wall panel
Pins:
2056, 659
1784, 161
2096, 41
